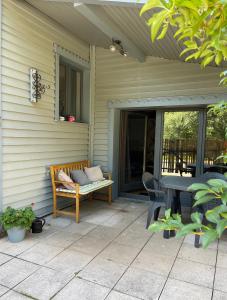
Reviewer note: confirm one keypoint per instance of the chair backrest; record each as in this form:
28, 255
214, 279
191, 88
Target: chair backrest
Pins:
213, 175
150, 182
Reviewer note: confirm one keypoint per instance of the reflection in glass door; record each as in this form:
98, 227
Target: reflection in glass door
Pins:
133, 145
179, 147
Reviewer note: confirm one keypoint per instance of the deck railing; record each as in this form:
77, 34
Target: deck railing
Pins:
178, 153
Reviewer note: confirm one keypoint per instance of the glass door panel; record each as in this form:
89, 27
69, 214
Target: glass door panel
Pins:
179, 148
132, 154
215, 144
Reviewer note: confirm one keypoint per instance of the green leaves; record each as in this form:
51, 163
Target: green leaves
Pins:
156, 21
204, 199
200, 27
221, 227
17, 218
198, 186
216, 217
189, 228
209, 237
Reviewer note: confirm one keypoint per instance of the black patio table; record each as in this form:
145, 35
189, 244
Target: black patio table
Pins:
178, 184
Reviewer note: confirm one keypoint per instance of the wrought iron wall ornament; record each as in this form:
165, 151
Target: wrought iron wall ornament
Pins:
37, 89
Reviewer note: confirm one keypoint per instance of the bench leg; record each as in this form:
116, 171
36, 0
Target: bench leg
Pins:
54, 205
110, 194
90, 197
77, 209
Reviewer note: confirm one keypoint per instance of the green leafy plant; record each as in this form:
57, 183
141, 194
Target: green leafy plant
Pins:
216, 218
17, 218
200, 25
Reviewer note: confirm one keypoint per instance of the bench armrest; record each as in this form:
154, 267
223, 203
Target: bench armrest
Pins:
107, 175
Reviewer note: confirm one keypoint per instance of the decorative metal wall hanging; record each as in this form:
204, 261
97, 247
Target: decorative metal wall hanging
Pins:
37, 89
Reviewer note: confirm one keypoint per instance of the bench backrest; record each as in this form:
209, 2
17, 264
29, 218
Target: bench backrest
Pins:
67, 168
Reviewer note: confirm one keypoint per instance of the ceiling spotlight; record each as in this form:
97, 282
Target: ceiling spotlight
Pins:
117, 46
112, 48
123, 52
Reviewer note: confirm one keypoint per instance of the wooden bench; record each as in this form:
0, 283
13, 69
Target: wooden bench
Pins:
60, 191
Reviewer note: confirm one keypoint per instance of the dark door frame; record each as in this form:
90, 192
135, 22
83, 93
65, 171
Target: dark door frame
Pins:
160, 105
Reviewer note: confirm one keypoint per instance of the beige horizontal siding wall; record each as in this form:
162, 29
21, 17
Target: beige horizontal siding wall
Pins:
120, 78
32, 140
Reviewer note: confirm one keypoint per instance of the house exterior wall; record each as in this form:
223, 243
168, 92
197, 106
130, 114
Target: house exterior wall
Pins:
120, 79
31, 139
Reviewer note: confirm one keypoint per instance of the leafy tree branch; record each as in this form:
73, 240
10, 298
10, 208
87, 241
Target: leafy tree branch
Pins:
201, 25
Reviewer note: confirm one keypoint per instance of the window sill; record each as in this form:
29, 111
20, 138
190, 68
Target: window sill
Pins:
77, 124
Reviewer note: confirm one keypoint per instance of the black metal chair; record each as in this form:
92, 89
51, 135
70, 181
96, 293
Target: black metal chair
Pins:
157, 197
202, 209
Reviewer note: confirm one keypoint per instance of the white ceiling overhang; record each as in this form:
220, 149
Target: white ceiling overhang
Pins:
97, 22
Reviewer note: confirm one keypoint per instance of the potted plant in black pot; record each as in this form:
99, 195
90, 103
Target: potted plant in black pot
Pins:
16, 222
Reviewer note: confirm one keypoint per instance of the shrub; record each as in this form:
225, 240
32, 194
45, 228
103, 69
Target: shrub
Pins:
12, 217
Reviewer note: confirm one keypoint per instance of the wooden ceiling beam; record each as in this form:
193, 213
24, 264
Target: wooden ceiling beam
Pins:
97, 16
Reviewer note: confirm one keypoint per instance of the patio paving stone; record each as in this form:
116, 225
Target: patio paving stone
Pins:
204, 256
220, 282
82, 290
222, 246
114, 295
178, 290
133, 238
70, 261
48, 231
103, 272
117, 259
62, 239
11, 295
218, 295
89, 245
15, 271
82, 228
15, 249
41, 253
119, 253
193, 272
161, 246
190, 239
59, 222
141, 284
100, 216
104, 232
3, 290
43, 284
4, 258
119, 220
222, 259
154, 262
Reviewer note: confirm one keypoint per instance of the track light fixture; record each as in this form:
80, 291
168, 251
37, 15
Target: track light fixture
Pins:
117, 46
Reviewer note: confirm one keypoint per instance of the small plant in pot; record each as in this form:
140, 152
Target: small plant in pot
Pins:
16, 222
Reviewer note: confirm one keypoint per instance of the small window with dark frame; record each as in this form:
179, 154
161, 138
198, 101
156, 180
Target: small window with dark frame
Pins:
70, 91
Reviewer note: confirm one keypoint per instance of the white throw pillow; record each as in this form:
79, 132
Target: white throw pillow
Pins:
94, 173
68, 183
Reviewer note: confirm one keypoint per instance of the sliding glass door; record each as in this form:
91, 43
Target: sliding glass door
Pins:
180, 139
215, 143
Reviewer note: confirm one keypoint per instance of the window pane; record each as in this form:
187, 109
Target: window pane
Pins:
70, 90
62, 89
215, 142
75, 101
180, 143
